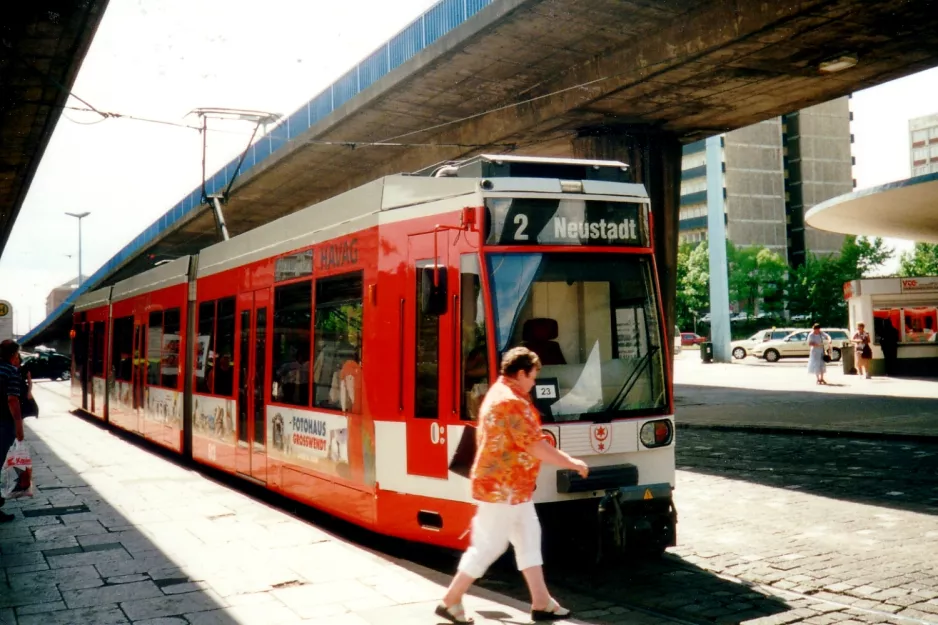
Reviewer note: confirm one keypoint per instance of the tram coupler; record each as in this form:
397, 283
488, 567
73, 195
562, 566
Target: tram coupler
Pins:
636, 519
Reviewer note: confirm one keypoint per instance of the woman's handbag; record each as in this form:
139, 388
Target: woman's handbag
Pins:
465, 455
827, 357
866, 351
29, 407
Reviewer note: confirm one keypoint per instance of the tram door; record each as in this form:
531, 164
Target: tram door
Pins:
252, 369
430, 317
139, 374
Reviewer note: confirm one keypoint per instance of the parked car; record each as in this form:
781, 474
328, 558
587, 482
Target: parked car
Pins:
689, 338
742, 348
796, 345
50, 365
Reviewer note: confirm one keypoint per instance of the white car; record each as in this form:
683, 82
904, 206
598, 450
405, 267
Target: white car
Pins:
742, 348
795, 345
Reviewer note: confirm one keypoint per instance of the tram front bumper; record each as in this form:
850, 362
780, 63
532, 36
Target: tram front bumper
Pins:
637, 518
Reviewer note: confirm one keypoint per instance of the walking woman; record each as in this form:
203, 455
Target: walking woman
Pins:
817, 342
864, 351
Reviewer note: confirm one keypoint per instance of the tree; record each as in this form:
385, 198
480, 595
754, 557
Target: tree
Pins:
756, 274
921, 261
693, 282
816, 287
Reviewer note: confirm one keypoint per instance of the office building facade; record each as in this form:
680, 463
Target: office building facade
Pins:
923, 145
773, 172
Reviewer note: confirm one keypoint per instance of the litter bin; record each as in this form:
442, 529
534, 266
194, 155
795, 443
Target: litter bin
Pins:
706, 352
847, 355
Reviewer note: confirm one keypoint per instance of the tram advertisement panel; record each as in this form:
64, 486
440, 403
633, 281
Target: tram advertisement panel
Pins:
163, 406
316, 440
213, 417
541, 221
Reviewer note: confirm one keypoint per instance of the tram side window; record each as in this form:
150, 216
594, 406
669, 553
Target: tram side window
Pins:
154, 343
169, 365
122, 349
427, 374
337, 372
97, 351
475, 364
204, 355
293, 315
222, 370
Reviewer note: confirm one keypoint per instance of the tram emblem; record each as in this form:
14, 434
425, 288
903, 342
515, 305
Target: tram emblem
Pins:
601, 437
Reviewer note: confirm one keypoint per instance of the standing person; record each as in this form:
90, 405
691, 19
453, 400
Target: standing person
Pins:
864, 351
510, 448
889, 343
11, 420
817, 343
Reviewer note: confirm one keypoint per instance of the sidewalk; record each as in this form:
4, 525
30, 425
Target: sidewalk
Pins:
116, 534
782, 397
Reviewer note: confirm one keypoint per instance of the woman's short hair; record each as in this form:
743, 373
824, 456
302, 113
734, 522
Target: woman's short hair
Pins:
519, 359
816, 326
860, 324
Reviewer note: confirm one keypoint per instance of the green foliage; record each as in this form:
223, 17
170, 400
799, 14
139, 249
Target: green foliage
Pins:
760, 278
921, 261
816, 287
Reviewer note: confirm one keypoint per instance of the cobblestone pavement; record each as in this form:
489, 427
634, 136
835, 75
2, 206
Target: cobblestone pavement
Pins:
780, 529
117, 534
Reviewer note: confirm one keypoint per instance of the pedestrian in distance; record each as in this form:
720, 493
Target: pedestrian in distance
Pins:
509, 451
864, 352
817, 342
889, 343
11, 391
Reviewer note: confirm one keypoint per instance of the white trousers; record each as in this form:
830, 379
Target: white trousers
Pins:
494, 526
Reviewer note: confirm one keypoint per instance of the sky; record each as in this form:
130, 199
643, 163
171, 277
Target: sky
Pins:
161, 59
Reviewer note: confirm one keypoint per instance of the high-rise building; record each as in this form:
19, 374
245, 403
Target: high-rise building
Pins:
773, 172
59, 294
923, 142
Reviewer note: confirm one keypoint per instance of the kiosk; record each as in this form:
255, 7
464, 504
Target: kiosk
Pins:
907, 310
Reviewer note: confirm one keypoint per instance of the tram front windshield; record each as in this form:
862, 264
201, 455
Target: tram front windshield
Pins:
592, 319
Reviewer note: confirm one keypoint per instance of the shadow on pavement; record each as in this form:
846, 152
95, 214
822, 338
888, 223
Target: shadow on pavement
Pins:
70, 556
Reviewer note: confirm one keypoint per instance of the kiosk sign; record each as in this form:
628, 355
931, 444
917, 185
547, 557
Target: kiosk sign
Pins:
919, 285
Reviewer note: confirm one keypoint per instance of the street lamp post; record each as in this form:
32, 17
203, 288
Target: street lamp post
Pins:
79, 216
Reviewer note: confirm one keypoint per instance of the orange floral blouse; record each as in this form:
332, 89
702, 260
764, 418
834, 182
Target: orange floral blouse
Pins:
508, 423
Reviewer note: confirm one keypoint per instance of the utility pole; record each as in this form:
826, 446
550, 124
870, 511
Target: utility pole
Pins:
79, 216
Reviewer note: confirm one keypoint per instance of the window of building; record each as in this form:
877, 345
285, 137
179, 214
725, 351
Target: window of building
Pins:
694, 185
920, 135
170, 364
293, 315
337, 373
122, 349
475, 363
154, 347
694, 160
919, 154
99, 339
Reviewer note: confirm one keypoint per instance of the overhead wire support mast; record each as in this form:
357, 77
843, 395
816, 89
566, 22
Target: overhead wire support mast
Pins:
215, 199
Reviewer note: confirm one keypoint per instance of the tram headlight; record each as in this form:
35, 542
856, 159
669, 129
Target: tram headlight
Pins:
656, 433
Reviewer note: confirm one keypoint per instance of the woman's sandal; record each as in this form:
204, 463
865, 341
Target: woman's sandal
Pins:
553, 612
454, 614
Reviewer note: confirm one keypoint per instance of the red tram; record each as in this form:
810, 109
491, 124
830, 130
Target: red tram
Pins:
337, 355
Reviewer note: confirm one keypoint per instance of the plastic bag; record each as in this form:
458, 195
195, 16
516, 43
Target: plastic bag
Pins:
16, 476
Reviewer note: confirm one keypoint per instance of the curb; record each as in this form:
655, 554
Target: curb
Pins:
800, 431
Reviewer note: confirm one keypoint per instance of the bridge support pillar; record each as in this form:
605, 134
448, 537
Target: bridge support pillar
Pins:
654, 158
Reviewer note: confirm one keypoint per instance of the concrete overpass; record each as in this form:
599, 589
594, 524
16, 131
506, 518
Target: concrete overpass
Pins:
630, 80
42, 45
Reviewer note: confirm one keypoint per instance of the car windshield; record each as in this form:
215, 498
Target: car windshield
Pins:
592, 319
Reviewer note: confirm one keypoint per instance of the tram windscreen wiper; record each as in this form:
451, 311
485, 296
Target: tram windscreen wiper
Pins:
632, 379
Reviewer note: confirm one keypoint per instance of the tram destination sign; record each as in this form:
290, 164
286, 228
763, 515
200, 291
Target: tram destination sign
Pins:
529, 221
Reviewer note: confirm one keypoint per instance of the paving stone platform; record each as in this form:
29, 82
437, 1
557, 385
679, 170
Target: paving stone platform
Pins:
117, 534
